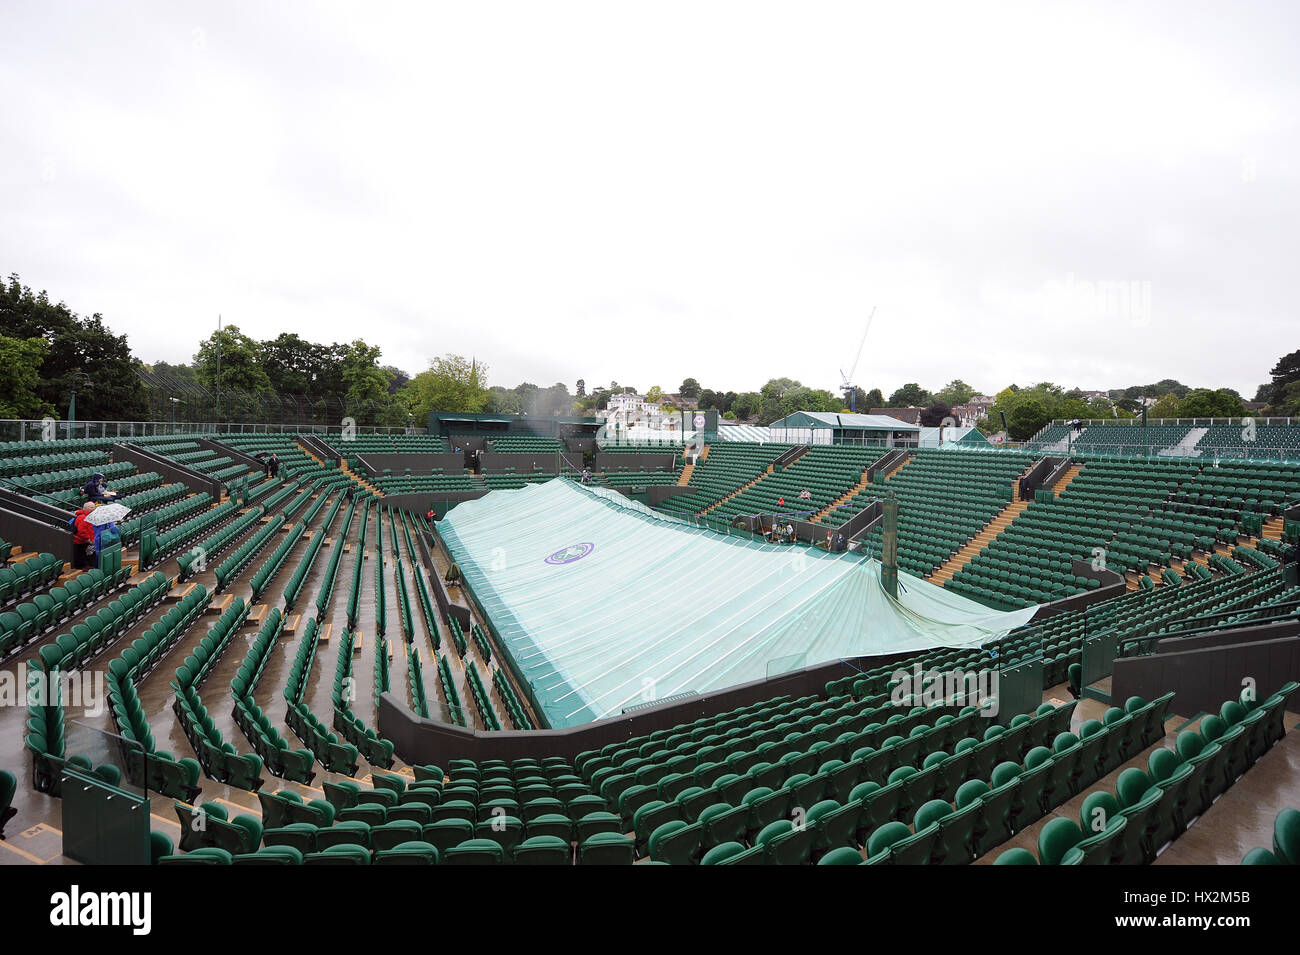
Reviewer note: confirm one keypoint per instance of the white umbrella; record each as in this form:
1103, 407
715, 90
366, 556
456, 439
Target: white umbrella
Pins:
107, 513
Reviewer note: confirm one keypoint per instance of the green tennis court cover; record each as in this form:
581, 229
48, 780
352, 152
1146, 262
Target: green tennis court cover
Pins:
604, 604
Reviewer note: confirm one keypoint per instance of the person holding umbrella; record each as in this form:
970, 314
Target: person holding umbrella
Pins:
83, 536
104, 520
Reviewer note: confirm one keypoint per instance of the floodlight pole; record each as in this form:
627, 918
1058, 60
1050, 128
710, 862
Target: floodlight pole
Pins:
77, 377
218, 414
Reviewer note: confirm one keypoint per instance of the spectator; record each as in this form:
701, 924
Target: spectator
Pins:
83, 537
273, 466
96, 489
840, 543
805, 495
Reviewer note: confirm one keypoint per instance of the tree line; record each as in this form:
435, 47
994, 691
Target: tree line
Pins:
48, 354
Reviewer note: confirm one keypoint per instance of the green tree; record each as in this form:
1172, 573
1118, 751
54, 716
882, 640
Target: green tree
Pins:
228, 360
366, 397
1068, 408
656, 395
553, 401
1284, 373
76, 346
1166, 406
1027, 419
293, 364
451, 383
956, 392
1204, 403
20, 377
911, 395
1100, 408
690, 388
397, 378
1166, 386
182, 373
874, 399
1285, 402
746, 404
503, 401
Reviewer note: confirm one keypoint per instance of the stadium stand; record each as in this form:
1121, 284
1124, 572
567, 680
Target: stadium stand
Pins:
945, 499
827, 473
524, 444
354, 444
874, 779
1248, 438
723, 471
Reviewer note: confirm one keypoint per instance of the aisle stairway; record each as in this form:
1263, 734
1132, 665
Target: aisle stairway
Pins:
1185, 448
977, 543
842, 499
770, 469
1066, 478
944, 572
307, 451
361, 480
898, 467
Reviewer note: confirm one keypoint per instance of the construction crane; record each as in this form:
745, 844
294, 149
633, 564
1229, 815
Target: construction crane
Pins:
846, 385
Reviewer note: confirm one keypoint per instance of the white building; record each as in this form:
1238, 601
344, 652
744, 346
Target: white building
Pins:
626, 411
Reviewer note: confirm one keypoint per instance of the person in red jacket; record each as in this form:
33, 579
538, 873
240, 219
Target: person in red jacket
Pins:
83, 537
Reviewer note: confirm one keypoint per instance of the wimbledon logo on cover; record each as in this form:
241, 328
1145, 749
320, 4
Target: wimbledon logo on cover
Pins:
567, 555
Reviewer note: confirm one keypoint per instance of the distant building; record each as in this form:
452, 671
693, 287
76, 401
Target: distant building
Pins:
823, 427
626, 411
970, 412
911, 415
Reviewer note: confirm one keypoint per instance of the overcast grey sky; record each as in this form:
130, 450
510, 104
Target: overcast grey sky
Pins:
1098, 197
